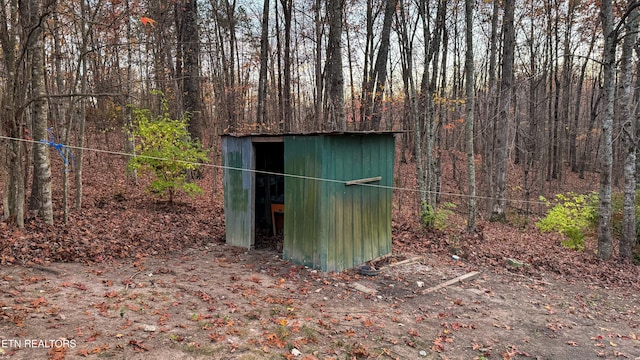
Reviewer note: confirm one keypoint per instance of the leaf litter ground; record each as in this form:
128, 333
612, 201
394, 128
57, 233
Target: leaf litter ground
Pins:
132, 279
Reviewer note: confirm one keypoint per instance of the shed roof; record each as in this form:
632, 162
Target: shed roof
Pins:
312, 133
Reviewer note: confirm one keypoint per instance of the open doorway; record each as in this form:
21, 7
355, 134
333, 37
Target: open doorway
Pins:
269, 193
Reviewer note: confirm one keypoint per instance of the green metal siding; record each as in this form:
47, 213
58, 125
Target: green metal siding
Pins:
329, 225
302, 199
239, 191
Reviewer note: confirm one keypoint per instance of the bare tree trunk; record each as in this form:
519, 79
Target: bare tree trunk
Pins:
59, 110
191, 94
13, 181
229, 63
287, 8
261, 108
278, 105
12, 115
596, 97
129, 138
86, 32
378, 79
606, 162
41, 160
567, 71
554, 89
367, 71
555, 119
498, 212
629, 117
548, 69
352, 85
319, 86
470, 105
334, 86
636, 100
573, 129
411, 107
532, 134
491, 113
428, 87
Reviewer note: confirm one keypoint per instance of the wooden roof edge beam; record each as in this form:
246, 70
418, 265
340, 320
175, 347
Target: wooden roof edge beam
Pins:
363, 181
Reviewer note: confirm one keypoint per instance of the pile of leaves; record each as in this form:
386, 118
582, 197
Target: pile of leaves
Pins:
102, 234
544, 255
116, 221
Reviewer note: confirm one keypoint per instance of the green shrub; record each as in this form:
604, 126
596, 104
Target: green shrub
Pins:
571, 215
163, 146
436, 219
427, 215
575, 239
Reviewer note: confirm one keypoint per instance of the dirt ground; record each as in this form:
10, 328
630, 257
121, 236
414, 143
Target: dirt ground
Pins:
222, 302
130, 279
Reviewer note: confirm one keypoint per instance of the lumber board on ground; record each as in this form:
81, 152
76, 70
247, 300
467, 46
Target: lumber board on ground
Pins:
461, 278
403, 262
363, 288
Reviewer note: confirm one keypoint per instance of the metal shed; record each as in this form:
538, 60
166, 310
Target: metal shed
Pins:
333, 218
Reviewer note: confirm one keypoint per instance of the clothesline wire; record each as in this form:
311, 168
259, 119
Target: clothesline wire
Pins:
264, 172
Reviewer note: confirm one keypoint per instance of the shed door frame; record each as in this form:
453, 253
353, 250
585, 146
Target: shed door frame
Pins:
264, 213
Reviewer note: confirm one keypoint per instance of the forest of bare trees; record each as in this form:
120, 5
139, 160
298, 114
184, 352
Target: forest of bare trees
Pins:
542, 88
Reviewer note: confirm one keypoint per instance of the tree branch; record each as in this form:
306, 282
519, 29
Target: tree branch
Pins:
626, 14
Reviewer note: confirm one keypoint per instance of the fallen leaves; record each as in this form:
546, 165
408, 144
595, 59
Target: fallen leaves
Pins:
274, 340
440, 342
80, 286
367, 323
359, 350
217, 337
57, 353
39, 302
138, 346
94, 351
102, 308
117, 230
18, 321
32, 280
509, 354
619, 354
495, 242
267, 302
506, 327
126, 325
457, 326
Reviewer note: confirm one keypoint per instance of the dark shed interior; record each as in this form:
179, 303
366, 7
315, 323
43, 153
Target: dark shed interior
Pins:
269, 190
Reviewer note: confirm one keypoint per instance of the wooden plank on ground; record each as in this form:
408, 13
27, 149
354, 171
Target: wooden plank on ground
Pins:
364, 289
403, 262
461, 278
